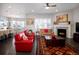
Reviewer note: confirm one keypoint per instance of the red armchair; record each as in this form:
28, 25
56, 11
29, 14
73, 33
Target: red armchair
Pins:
24, 44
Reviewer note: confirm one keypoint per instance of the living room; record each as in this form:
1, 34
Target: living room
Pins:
52, 28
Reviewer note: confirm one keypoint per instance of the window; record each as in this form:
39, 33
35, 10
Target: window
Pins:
20, 24
3, 22
17, 24
42, 23
13, 24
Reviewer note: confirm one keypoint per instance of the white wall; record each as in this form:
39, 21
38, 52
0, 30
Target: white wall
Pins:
75, 18
46, 15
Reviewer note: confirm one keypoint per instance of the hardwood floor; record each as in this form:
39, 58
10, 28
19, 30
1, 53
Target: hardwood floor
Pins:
73, 44
7, 47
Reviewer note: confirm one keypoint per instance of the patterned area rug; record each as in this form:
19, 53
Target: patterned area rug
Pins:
43, 50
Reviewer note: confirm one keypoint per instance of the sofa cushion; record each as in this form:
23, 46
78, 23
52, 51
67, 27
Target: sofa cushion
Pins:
31, 36
26, 33
17, 37
45, 30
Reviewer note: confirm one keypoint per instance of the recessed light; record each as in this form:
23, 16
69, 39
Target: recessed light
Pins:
56, 10
46, 7
9, 7
32, 10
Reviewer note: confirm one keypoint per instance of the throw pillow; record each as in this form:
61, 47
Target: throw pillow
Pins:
24, 36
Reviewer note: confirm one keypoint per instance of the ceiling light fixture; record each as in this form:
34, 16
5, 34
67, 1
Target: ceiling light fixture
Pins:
56, 10
49, 5
9, 7
46, 7
32, 10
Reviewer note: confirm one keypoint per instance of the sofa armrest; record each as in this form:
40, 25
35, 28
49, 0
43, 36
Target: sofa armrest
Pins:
24, 41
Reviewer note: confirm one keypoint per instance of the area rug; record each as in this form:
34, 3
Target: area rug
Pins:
43, 50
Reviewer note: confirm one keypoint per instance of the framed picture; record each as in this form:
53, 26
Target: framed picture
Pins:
62, 18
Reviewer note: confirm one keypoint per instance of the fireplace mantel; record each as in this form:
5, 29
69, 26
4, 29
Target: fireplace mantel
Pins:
63, 26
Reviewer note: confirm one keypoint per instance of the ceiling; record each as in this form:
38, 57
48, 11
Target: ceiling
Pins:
30, 8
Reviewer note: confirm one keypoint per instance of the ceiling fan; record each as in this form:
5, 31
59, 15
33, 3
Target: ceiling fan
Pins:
50, 5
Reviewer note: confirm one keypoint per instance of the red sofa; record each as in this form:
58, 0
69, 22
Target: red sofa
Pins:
24, 44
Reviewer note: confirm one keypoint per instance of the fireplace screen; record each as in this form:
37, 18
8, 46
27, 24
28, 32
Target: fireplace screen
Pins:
61, 32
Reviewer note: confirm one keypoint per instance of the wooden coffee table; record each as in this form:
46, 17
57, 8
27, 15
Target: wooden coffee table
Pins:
59, 42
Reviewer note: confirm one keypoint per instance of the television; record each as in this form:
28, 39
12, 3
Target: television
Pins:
77, 27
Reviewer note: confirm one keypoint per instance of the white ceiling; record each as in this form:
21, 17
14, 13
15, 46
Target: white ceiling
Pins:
26, 8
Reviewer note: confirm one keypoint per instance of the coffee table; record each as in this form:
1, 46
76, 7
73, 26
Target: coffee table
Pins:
61, 41
58, 42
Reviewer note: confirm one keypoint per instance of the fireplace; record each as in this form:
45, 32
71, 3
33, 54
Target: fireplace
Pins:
61, 32
65, 27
